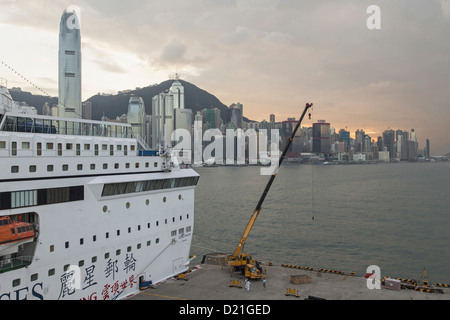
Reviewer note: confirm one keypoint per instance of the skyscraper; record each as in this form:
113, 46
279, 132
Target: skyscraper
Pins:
389, 142
136, 116
70, 65
321, 137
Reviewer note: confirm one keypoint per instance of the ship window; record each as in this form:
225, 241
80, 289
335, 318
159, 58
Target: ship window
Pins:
52, 248
107, 255
96, 150
157, 240
81, 241
25, 145
32, 168
105, 166
2, 144
173, 233
149, 243
129, 249
79, 167
81, 263
69, 146
39, 149
49, 146
94, 238
147, 164
107, 235
137, 165
132, 147
66, 245
119, 147
94, 259
65, 167
60, 149
127, 165
155, 164
93, 166
125, 150
51, 272
50, 168
15, 169
14, 148
111, 150
16, 283
118, 232
139, 246
116, 166
34, 277
104, 147
181, 231
188, 229
118, 252
87, 147
78, 149
129, 229
24, 199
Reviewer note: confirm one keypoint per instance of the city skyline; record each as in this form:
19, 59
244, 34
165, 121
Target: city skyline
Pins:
301, 52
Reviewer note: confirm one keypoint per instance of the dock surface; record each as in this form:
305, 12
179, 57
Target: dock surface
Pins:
212, 282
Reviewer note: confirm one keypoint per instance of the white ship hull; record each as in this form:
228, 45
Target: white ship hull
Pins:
83, 252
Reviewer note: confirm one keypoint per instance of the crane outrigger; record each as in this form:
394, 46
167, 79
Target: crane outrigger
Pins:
244, 262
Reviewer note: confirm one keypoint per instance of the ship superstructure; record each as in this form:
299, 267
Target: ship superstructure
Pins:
102, 216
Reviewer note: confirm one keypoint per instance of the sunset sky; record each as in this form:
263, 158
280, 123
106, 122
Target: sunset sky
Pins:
272, 56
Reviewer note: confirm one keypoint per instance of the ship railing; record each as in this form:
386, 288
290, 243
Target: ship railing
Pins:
7, 264
64, 126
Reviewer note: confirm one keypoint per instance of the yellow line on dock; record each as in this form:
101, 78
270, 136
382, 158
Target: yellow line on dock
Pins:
157, 295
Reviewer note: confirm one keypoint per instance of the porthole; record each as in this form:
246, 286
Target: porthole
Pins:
147, 202
128, 205
179, 197
164, 199
105, 209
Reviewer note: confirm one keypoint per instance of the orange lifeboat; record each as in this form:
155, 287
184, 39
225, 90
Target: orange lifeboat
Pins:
13, 234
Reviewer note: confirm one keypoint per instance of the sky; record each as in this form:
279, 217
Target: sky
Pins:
273, 56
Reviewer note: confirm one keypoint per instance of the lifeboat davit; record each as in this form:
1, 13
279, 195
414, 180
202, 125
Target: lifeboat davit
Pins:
13, 234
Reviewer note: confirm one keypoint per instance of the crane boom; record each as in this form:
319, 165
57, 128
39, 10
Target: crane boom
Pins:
240, 247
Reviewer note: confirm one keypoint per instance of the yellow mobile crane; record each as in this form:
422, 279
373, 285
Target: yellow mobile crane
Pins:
244, 262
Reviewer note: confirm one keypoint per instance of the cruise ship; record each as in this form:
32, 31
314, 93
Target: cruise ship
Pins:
86, 211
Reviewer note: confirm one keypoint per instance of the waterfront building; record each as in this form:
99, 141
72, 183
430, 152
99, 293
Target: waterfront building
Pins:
389, 142
69, 66
321, 137
136, 116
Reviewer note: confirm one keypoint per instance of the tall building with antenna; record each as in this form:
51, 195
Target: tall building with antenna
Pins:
70, 65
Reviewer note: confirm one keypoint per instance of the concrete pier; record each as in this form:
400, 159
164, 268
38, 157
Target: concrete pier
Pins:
211, 281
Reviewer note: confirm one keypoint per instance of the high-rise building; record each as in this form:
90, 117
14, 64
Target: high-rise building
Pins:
427, 149
87, 110
344, 136
70, 66
237, 113
389, 142
164, 108
412, 146
136, 116
321, 137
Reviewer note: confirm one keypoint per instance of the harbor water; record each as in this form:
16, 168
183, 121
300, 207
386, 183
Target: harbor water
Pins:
341, 217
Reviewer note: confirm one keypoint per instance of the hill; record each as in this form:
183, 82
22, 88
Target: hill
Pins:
115, 105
